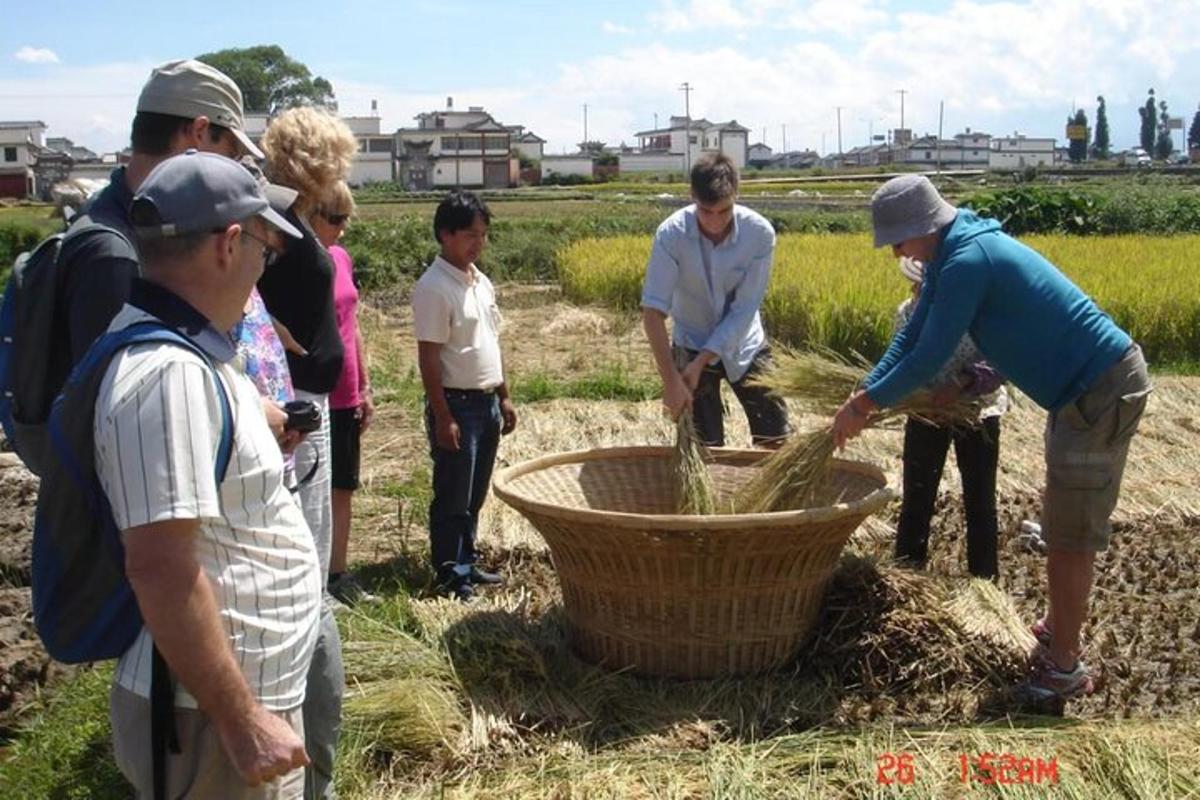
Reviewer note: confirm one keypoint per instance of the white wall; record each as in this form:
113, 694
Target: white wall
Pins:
529, 149
1020, 152
733, 144
567, 165
470, 172
370, 168
651, 162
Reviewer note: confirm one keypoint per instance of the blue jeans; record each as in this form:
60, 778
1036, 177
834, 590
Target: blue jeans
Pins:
460, 480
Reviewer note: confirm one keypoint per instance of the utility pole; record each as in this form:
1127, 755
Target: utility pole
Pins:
686, 88
902, 92
784, 127
941, 117
585, 139
839, 116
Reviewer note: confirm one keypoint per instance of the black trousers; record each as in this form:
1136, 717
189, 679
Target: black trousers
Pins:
765, 411
978, 452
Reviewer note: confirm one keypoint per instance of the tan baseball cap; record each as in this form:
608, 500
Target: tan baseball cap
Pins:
189, 88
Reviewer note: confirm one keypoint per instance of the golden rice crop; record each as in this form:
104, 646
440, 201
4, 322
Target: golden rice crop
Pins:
689, 461
836, 291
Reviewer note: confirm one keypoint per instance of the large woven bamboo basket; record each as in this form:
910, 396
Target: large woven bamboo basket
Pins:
685, 596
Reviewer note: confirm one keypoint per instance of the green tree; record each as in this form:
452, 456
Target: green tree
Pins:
270, 80
1149, 118
1164, 145
1077, 148
1194, 133
1102, 146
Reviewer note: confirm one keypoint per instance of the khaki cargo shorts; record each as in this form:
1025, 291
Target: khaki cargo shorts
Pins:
1087, 443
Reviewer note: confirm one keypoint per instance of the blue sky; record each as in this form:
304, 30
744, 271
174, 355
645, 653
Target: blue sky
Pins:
998, 66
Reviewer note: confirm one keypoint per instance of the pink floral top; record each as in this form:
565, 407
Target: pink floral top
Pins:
262, 353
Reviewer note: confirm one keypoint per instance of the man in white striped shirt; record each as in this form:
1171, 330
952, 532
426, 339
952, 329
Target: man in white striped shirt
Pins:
225, 574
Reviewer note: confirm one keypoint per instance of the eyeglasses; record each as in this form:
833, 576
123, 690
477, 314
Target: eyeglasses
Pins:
336, 219
269, 252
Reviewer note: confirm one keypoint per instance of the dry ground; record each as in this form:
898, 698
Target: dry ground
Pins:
1145, 626
1144, 631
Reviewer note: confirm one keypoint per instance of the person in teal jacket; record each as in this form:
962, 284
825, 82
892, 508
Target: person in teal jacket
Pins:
1056, 345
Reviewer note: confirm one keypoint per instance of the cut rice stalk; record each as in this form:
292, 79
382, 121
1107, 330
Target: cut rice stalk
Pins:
694, 487
790, 477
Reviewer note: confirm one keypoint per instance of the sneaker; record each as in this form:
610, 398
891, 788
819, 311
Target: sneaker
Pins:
1041, 631
484, 577
1030, 538
346, 588
1048, 681
463, 592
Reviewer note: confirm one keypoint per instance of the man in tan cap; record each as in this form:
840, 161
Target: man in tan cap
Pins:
185, 104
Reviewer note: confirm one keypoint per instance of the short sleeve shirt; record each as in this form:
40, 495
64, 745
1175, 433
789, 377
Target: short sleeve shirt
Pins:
457, 309
157, 428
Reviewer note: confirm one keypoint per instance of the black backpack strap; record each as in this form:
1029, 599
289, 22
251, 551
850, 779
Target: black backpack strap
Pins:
163, 734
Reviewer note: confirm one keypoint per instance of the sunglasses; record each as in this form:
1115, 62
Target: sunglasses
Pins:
336, 219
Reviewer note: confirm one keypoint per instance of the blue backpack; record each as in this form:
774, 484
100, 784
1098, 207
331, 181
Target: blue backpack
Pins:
35, 356
83, 605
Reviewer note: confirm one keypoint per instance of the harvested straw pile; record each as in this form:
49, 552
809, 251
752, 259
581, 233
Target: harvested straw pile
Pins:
416, 716
820, 381
893, 633
694, 492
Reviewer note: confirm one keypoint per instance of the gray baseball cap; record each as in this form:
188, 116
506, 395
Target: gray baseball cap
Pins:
189, 88
907, 207
199, 192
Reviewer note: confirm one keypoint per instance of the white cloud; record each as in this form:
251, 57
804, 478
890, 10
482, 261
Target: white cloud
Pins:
999, 66
614, 28
36, 55
92, 105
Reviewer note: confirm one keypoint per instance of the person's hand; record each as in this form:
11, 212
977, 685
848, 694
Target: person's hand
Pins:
287, 440
692, 372
677, 397
285, 337
366, 411
446, 433
509, 414
946, 395
848, 422
261, 746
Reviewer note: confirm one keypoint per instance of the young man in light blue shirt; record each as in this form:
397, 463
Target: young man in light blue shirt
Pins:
708, 272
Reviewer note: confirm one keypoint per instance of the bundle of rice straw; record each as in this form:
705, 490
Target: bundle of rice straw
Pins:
694, 492
791, 476
820, 381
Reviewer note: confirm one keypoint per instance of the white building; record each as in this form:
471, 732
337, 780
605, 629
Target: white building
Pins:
527, 144
456, 148
375, 160
683, 141
759, 155
19, 144
1019, 151
967, 150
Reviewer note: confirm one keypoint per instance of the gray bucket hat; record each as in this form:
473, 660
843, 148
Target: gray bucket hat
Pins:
199, 192
189, 88
908, 207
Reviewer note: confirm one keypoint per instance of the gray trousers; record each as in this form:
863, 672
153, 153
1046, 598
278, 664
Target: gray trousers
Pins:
323, 707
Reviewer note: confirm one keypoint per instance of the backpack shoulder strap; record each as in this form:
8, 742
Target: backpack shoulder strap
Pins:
150, 332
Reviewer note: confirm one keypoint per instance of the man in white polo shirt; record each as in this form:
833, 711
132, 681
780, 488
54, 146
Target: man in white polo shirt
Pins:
467, 406
225, 573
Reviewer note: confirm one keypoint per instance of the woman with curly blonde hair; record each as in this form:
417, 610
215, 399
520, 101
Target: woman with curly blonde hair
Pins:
310, 151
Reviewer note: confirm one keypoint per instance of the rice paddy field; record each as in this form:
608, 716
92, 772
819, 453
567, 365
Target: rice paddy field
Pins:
901, 689
836, 291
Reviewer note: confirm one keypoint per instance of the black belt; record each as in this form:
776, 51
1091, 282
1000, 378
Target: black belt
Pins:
472, 392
